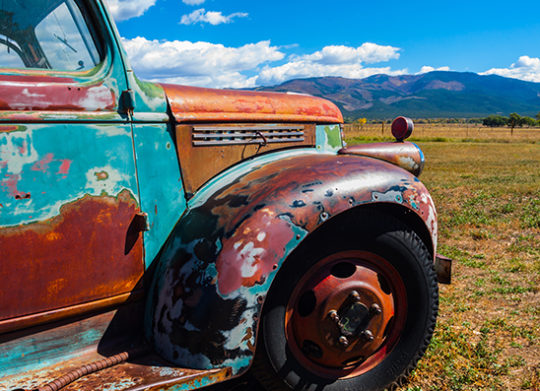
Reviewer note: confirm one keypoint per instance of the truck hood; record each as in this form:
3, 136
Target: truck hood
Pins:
195, 104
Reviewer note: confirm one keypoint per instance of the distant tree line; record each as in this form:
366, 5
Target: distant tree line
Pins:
512, 120
448, 120
361, 121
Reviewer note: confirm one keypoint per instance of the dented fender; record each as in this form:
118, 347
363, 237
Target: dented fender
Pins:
219, 262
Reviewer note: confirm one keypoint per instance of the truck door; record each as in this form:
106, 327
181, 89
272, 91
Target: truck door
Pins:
69, 235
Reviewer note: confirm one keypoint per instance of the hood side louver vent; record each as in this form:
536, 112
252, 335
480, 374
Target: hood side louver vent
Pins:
205, 150
240, 135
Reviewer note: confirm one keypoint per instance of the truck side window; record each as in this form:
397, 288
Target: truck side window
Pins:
53, 35
10, 53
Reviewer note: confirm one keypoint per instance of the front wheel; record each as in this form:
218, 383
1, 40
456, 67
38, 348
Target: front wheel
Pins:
349, 311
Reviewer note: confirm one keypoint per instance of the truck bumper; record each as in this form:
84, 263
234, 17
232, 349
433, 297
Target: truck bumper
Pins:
443, 268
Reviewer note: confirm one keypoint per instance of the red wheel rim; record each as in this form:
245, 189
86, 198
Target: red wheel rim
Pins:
346, 314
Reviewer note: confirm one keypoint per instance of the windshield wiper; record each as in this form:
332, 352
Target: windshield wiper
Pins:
65, 42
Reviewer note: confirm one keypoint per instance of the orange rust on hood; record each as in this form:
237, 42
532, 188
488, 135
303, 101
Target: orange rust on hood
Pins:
195, 104
87, 252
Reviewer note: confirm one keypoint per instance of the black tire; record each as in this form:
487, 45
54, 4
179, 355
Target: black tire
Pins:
279, 365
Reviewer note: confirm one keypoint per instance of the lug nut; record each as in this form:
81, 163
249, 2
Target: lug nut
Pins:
334, 315
355, 296
343, 341
376, 309
367, 334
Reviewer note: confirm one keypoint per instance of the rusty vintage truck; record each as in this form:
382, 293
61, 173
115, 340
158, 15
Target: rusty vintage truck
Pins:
168, 237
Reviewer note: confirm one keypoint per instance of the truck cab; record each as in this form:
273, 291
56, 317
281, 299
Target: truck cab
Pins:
157, 236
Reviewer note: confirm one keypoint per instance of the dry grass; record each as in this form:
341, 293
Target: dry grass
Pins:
486, 185
445, 132
487, 191
488, 332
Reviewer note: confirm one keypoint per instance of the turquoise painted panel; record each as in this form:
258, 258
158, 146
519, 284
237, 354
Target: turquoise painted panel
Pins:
29, 360
45, 166
160, 184
149, 98
193, 385
47, 348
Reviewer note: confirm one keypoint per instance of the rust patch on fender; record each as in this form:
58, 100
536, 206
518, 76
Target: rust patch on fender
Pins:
301, 192
75, 257
403, 154
220, 260
249, 255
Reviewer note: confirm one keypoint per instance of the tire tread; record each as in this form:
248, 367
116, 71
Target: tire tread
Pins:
382, 224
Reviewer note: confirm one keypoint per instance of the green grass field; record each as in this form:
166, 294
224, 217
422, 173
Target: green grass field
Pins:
487, 192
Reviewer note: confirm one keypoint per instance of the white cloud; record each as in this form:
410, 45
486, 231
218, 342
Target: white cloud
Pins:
526, 68
367, 53
127, 9
305, 69
212, 17
334, 60
215, 65
199, 63
192, 2
427, 68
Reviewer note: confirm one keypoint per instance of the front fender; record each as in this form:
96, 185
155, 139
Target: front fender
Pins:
223, 255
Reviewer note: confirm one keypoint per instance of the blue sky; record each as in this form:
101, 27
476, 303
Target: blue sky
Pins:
218, 43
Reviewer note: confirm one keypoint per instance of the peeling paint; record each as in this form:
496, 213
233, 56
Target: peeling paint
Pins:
43, 164
195, 104
389, 196
64, 167
91, 235
328, 137
244, 231
26, 95
101, 175
333, 136
33, 162
160, 183
406, 155
71, 165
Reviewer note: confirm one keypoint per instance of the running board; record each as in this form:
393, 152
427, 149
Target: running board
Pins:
143, 373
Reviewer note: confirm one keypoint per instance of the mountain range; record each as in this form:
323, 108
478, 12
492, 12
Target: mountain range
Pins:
437, 94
